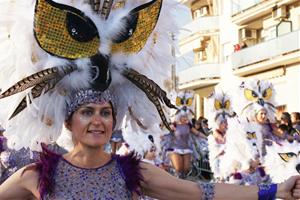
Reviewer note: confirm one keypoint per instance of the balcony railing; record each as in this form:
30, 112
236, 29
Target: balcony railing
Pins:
199, 72
202, 24
241, 5
267, 50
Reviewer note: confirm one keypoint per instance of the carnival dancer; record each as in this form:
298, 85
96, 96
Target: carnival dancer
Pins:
182, 141
246, 133
220, 108
89, 90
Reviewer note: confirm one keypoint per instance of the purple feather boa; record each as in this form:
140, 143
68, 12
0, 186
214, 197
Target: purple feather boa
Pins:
46, 168
130, 166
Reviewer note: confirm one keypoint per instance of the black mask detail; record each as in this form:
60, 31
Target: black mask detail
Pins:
81, 29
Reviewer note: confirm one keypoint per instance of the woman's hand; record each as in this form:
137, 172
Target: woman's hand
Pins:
296, 190
290, 189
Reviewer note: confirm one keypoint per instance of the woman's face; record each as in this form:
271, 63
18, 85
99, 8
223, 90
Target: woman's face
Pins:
261, 116
184, 119
293, 118
223, 126
92, 124
197, 125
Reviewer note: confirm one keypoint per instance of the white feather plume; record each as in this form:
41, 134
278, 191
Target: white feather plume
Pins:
278, 169
247, 105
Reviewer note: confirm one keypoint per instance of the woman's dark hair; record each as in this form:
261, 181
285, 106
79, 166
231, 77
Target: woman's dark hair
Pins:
297, 116
285, 116
283, 127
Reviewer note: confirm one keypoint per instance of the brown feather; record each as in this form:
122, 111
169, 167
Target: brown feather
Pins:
44, 86
30, 81
95, 4
36, 91
154, 93
106, 7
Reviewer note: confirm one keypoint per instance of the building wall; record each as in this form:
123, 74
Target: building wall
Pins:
202, 94
285, 78
292, 88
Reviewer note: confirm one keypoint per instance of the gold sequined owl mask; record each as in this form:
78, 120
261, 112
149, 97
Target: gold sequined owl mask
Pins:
67, 32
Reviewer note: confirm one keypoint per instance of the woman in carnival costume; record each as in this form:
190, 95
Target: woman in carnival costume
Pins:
220, 106
87, 90
182, 141
248, 132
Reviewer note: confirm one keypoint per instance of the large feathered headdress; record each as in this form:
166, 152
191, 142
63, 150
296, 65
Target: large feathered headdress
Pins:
220, 107
52, 48
184, 102
252, 96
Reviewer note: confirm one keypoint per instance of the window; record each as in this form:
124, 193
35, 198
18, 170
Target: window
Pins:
200, 12
199, 56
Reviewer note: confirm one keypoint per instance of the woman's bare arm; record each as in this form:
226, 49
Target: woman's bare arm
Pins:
21, 185
198, 133
161, 185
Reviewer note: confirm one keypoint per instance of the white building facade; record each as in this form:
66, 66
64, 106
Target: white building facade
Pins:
243, 38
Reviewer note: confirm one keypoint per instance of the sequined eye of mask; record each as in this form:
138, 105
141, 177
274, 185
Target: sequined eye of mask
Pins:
139, 24
65, 31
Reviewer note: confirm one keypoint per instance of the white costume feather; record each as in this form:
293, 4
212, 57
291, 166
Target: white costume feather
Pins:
282, 161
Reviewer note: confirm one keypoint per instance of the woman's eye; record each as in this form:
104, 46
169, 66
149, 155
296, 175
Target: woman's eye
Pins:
87, 112
106, 113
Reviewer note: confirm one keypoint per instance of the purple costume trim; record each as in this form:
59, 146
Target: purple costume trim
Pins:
129, 166
2, 143
237, 176
267, 191
46, 168
261, 171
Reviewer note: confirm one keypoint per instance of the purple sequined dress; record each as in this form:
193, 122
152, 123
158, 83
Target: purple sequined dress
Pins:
182, 140
116, 180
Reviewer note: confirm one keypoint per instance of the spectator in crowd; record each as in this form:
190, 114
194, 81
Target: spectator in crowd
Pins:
282, 133
286, 120
198, 126
243, 45
205, 127
295, 118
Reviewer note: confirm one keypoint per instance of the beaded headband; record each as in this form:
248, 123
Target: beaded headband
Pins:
88, 96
